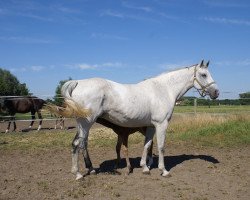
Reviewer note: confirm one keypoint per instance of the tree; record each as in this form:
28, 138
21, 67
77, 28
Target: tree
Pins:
58, 99
245, 98
10, 85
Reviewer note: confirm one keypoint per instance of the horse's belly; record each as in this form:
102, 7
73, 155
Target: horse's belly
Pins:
127, 121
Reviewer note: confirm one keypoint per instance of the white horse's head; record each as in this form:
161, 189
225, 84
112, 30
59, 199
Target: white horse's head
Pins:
204, 82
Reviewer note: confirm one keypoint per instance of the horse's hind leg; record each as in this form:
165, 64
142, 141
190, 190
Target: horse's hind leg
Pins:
81, 142
150, 151
75, 157
8, 127
62, 123
150, 156
148, 142
14, 124
118, 150
125, 151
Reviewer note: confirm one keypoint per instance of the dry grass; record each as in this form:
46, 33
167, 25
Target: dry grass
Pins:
211, 130
184, 123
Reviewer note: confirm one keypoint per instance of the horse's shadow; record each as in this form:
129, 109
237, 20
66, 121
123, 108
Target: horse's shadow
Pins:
171, 162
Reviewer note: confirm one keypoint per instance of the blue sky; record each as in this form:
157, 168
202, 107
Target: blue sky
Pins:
45, 41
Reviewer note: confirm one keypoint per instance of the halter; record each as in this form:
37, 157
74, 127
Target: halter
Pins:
203, 90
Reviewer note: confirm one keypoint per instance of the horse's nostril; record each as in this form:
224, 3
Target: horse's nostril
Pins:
217, 92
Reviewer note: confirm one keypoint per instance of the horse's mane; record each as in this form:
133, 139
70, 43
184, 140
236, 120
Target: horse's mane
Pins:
170, 71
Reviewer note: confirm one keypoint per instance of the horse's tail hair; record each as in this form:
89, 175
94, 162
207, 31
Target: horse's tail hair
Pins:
69, 108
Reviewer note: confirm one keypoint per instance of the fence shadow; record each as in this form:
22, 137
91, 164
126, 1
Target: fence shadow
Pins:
170, 161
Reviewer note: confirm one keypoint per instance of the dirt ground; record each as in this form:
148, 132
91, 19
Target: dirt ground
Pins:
197, 173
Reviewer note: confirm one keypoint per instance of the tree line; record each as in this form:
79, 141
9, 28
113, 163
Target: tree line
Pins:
244, 99
10, 86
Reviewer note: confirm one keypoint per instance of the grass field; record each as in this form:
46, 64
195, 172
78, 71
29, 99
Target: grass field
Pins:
201, 130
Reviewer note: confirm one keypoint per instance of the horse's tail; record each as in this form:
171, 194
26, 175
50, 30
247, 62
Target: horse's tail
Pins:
68, 88
69, 108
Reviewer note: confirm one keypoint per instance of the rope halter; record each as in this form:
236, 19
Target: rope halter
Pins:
203, 90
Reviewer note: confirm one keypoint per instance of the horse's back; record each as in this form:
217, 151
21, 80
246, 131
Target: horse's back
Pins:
24, 104
123, 104
18, 105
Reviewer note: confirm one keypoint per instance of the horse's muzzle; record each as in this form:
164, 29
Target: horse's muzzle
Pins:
215, 94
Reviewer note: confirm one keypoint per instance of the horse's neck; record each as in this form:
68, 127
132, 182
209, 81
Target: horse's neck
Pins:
179, 81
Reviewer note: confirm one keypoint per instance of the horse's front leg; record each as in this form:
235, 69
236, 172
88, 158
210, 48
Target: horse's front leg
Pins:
33, 117
148, 142
12, 119
88, 163
161, 136
75, 157
41, 120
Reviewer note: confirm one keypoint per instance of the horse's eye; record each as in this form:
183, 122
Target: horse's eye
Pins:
204, 75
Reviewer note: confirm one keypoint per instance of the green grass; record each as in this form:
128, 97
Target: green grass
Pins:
202, 130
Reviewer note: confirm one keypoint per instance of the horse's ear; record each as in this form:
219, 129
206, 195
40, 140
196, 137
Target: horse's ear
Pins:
201, 63
207, 63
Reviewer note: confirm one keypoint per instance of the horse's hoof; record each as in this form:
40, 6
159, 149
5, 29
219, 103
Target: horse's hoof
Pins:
129, 171
74, 171
78, 176
146, 171
150, 162
166, 174
142, 164
92, 172
116, 172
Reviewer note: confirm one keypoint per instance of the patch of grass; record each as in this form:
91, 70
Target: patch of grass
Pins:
35, 140
218, 131
202, 129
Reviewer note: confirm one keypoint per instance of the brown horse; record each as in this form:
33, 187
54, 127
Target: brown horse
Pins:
13, 105
123, 134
